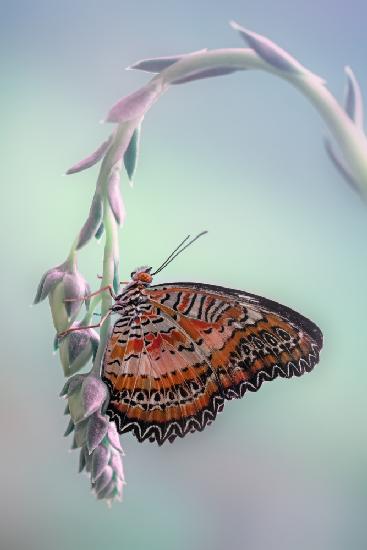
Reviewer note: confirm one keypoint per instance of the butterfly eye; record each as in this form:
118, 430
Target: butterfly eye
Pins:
132, 274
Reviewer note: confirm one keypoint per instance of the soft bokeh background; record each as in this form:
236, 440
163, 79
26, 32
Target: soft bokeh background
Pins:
241, 156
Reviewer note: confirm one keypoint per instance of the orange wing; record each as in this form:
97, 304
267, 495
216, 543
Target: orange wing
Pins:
170, 371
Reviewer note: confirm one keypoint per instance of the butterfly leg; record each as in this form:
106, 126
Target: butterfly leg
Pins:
82, 298
73, 329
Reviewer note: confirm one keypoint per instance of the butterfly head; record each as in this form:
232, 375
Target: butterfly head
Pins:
142, 275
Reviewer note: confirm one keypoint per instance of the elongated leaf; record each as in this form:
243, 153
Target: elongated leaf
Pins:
353, 103
99, 232
116, 277
114, 194
158, 64
268, 50
124, 134
93, 221
342, 168
131, 154
92, 159
134, 105
204, 73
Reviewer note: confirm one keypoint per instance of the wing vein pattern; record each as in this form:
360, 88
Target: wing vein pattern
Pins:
194, 347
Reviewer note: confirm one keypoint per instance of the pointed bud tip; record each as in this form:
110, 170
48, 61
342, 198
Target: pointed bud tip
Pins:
236, 26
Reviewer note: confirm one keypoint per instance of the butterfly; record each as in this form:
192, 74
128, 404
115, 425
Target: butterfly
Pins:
178, 351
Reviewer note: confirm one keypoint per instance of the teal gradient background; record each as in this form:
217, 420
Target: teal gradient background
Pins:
241, 156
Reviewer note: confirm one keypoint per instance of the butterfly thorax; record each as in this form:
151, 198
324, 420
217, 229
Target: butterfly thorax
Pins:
132, 302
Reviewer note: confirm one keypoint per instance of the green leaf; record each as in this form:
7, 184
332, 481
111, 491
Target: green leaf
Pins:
131, 153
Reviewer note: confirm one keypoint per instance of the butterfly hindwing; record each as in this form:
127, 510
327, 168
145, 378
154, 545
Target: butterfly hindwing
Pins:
160, 382
171, 369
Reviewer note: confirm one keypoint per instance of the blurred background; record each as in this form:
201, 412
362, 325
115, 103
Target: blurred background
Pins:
242, 157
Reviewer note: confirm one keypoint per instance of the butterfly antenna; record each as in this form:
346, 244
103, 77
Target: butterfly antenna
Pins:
178, 251
170, 256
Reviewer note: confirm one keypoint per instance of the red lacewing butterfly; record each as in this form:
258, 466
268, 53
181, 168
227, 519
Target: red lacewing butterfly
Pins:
179, 350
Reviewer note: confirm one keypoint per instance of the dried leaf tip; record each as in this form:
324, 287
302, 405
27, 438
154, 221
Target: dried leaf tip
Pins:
273, 54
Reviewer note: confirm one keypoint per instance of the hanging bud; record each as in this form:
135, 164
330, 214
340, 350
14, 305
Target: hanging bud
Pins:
77, 348
66, 289
87, 398
72, 385
48, 282
97, 429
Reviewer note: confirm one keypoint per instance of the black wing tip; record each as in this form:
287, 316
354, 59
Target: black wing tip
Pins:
294, 317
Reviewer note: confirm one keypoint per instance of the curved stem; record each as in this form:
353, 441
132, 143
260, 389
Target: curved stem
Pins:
72, 257
350, 138
92, 306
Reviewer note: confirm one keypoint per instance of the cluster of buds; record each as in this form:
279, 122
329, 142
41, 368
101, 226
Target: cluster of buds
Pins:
96, 437
67, 289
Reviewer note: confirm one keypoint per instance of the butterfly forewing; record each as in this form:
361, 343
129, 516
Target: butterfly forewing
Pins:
171, 369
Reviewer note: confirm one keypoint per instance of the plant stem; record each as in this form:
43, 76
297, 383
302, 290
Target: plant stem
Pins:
92, 306
72, 257
110, 257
